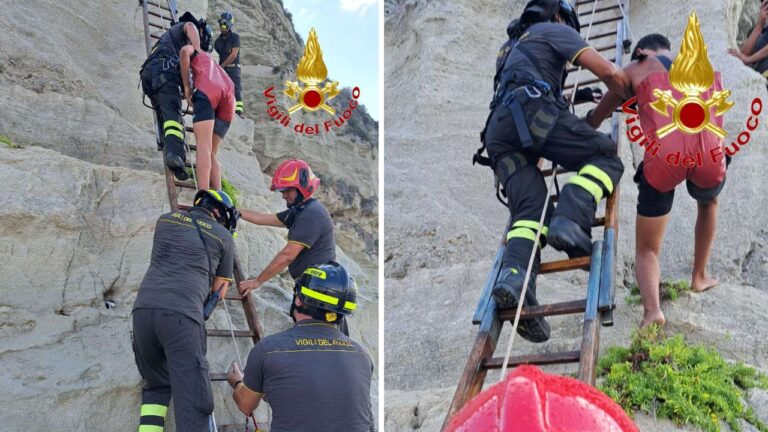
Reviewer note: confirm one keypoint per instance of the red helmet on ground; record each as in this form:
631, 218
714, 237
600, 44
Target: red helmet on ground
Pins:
295, 173
529, 400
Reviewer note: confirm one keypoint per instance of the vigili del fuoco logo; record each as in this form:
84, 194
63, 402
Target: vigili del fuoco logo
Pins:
311, 94
691, 75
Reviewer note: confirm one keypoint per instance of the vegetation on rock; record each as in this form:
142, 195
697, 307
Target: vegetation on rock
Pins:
668, 291
668, 378
230, 189
4, 140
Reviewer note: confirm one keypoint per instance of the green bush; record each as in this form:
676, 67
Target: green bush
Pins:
668, 291
230, 189
4, 140
687, 384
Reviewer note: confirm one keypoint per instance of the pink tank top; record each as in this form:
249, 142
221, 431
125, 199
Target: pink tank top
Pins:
681, 156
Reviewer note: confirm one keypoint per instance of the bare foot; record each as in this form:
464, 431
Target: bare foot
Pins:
654, 317
703, 283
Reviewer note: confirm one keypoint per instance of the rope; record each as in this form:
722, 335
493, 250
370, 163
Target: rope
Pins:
578, 71
527, 275
626, 21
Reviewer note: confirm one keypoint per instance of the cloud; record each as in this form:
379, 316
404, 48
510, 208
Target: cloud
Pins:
357, 5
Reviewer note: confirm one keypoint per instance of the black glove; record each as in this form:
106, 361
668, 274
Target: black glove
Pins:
587, 94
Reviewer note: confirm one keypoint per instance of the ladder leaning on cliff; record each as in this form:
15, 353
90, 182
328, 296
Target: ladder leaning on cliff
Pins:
599, 302
159, 16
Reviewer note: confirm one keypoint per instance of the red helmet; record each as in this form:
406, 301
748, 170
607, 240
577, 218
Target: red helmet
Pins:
295, 173
529, 400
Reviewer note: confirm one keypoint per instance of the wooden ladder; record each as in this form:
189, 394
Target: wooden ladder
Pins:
599, 302
159, 15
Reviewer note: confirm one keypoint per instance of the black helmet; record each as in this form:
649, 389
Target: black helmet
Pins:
545, 10
226, 21
188, 17
212, 199
326, 291
569, 15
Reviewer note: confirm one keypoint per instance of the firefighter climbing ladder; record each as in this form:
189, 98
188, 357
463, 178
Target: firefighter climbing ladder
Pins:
159, 15
613, 21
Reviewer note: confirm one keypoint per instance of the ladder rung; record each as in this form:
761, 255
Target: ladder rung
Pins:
602, 35
563, 308
189, 129
154, 36
189, 164
605, 48
233, 428
188, 111
156, 4
218, 376
583, 83
565, 265
184, 184
537, 359
598, 10
560, 170
581, 2
159, 15
607, 20
227, 333
234, 297
192, 147
184, 207
598, 222
156, 25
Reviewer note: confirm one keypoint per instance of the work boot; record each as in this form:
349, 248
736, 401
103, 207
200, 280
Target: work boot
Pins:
566, 235
507, 292
175, 163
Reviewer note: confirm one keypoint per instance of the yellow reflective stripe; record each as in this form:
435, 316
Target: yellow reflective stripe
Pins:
215, 194
588, 185
154, 410
174, 132
315, 272
521, 233
532, 225
239, 104
319, 296
150, 428
349, 305
578, 53
173, 124
598, 174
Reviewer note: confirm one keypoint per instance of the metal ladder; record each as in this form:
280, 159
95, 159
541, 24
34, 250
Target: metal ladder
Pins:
599, 302
159, 16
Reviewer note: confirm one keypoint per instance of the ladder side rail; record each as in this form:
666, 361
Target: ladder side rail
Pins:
608, 279
471, 381
493, 274
590, 342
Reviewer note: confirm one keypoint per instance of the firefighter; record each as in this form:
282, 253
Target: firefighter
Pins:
192, 259
530, 120
161, 82
312, 364
227, 46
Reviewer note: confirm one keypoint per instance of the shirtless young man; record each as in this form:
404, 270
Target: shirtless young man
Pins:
657, 178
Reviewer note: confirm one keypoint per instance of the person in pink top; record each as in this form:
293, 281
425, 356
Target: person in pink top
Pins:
213, 99
663, 169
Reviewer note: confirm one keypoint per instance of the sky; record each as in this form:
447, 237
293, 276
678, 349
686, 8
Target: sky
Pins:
348, 33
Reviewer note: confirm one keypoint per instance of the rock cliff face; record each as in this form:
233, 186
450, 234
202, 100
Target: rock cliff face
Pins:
444, 224
82, 194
